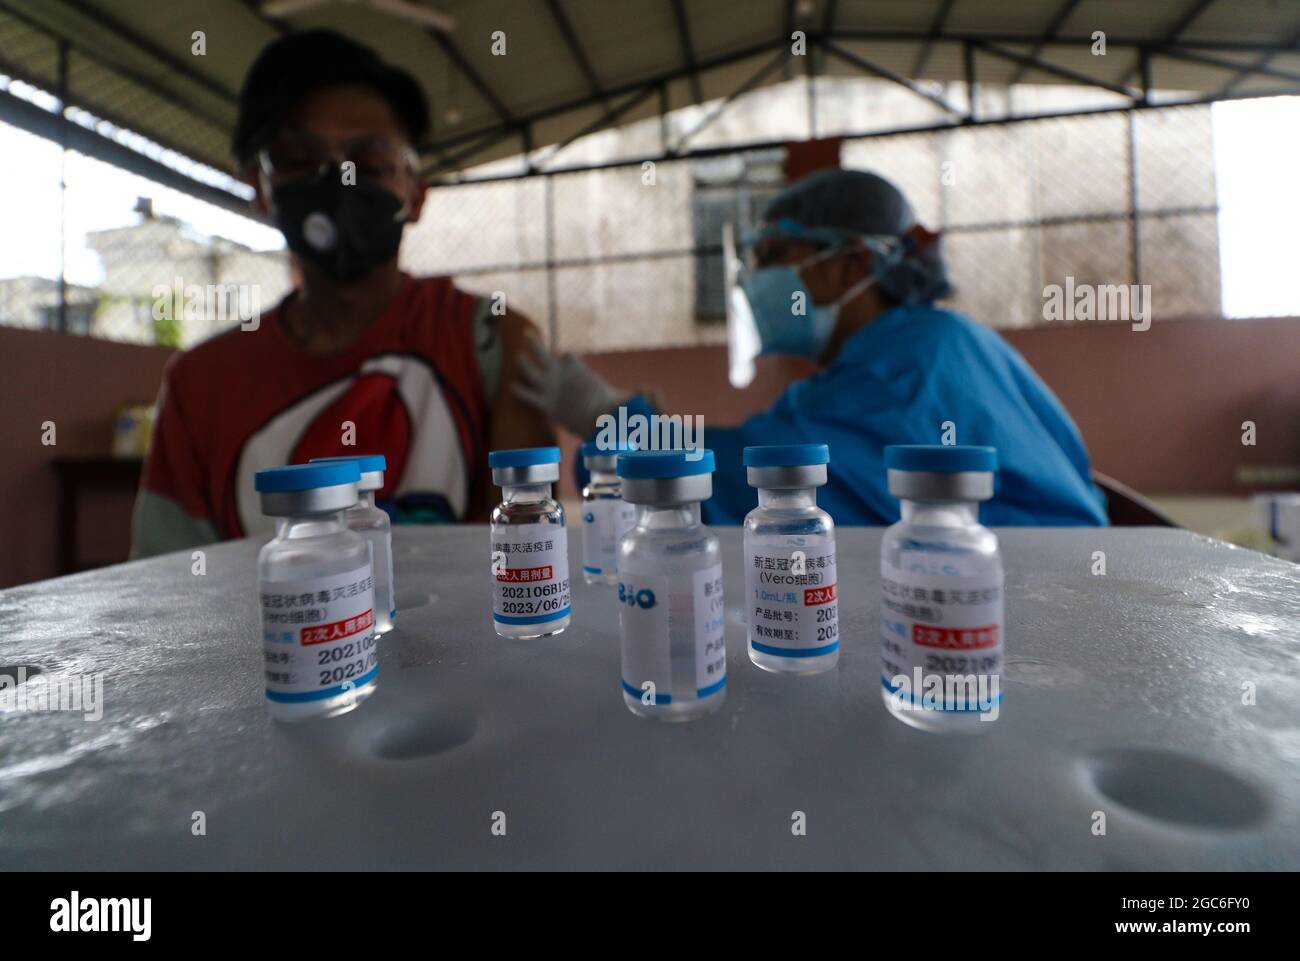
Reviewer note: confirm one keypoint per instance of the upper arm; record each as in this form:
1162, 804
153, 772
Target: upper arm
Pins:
514, 423
160, 525
171, 510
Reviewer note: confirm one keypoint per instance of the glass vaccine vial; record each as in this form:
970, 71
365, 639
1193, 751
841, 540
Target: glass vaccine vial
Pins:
372, 523
671, 612
606, 517
530, 546
317, 593
941, 582
791, 593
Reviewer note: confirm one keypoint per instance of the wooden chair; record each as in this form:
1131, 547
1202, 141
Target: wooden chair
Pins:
1127, 508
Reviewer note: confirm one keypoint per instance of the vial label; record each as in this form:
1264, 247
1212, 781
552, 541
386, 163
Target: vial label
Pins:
318, 635
530, 563
653, 616
941, 633
604, 521
793, 601
710, 627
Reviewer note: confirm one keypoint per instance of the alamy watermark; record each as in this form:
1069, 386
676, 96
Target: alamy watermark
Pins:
79, 693
1131, 302
76, 914
210, 302
653, 432
969, 693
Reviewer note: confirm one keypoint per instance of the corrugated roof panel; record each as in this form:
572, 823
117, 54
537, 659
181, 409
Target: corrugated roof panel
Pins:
1124, 18
626, 40
1000, 17
233, 35
100, 33
1247, 21
537, 69
129, 104
882, 14
27, 53
122, 47
718, 26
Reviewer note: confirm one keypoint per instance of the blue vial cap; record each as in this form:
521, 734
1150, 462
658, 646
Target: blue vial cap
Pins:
665, 463
524, 457
306, 477
591, 448
940, 459
368, 463
787, 455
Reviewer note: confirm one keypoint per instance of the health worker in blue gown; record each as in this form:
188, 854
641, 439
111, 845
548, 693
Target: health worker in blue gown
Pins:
841, 273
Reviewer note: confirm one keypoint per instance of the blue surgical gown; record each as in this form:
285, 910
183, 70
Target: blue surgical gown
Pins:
898, 380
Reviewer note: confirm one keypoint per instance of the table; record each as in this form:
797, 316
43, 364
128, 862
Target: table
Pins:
1123, 695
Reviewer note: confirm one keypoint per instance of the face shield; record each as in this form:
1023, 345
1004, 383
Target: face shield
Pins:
769, 309
743, 342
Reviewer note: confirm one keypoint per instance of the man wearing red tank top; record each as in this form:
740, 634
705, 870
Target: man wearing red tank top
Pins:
359, 357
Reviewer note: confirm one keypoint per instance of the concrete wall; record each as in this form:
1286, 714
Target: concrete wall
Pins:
78, 383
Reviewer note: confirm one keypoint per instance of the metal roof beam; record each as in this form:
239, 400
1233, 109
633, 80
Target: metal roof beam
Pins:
927, 45
575, 47
1259, 66
155, 52
53, 126
469, 73
618, 91
146, 83
688, 50
1065, 40
1053, 28
1072, 75
18, 73
876, 134
495, 136
864, 64
827, 30
479, 144
763, 72
607, 118
1244, 70
1189, 15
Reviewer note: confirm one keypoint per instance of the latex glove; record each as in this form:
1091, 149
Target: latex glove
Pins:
563, 388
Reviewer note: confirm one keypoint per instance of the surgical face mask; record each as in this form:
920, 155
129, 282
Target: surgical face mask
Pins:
344, 230
786, 319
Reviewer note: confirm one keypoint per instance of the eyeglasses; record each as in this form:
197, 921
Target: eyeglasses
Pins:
778, 250
296, 155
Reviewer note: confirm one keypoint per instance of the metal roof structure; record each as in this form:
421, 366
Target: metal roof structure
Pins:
572, 67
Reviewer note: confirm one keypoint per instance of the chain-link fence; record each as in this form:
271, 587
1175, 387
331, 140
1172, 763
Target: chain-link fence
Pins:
628, 257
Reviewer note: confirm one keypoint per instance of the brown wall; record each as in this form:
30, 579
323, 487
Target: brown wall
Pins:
1160, 409
78, 383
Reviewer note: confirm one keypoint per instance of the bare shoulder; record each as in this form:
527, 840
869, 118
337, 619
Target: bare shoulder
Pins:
514, 329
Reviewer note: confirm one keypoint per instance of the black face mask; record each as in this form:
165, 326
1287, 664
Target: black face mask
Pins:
344, 230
